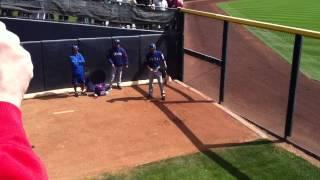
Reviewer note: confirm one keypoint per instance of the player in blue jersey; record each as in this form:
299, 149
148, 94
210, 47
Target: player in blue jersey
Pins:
154, 60
78, 77
118, 58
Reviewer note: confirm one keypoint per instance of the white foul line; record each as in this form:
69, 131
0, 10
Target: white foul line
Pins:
63, 112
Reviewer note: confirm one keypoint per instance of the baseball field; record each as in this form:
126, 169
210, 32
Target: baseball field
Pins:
125, 135
184, 137
295, 13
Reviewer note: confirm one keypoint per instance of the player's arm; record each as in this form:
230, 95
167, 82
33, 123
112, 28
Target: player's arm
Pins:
111, 62
17, 160
125, 58
164, 61
109, 57
82, 60
146, 62
150, 69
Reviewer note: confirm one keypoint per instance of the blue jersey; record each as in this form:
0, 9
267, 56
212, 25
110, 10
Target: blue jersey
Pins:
118, 56
77, 62
154, 59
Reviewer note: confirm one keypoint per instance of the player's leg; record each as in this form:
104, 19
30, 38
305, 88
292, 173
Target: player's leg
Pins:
113, 72
151, 76
160, 82
96, 91
165, 77
82, 86
75, 84
164, 74
81, 80
119, 76
75, 90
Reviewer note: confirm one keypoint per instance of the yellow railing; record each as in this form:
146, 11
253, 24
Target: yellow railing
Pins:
259, 24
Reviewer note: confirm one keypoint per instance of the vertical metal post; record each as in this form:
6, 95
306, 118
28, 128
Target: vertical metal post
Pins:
180, 44
293, 83
224, 60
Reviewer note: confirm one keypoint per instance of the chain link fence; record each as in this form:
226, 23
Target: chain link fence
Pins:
257, 74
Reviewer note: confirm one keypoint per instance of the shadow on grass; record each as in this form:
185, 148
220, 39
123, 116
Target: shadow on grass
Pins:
252, 143
204, 148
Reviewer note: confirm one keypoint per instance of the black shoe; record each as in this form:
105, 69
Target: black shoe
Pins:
84, 93
163, 96
76, 94
119, 87
150, 96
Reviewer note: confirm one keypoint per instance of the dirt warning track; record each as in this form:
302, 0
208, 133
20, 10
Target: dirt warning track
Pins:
257, 81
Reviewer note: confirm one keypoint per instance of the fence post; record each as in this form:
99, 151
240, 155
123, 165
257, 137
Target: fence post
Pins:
293, 83
180, 44
224, 60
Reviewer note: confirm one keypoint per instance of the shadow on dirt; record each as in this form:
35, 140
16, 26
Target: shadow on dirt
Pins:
204, 148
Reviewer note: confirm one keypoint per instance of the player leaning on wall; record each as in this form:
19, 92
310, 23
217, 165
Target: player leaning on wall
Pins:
118, 58
78, 72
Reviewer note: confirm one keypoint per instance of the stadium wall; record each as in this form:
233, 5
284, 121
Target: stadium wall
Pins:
52, 67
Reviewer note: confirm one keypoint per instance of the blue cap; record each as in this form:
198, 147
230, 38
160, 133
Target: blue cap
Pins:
116, 41
75, 47
152, 46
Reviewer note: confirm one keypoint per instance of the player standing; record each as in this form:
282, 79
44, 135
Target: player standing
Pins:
154, 59
118, 58
78, 77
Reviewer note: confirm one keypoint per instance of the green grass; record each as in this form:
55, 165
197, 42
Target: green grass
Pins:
297, 13
260, 160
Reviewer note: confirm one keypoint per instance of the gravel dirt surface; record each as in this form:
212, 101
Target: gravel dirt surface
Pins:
85, 136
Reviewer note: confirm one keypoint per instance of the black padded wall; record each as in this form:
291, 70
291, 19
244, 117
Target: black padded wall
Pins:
95, 51
53, 67
57, 65
37, 83
169, 42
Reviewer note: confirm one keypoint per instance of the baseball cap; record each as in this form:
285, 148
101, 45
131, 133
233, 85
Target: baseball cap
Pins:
152, 46
116, 41
75, 47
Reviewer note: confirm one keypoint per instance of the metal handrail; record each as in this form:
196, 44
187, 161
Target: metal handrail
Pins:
259, 24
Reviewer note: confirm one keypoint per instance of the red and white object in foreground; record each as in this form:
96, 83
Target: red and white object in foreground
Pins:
17, 159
